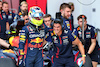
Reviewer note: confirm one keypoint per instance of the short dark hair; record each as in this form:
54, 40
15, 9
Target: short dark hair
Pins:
4, 3
80, 17
47, 15
58, 21
25, 13
64, 5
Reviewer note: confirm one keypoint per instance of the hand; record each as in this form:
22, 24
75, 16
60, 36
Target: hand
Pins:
20, 57
83, 59
20, 60
13, 48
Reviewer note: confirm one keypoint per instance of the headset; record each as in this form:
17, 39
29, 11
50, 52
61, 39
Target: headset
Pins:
59, 21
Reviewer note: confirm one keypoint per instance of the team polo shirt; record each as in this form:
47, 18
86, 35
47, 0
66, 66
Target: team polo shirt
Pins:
2, 27
89, 33
62, 44
9, 16
68, 23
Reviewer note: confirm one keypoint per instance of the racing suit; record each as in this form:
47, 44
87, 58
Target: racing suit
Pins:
35, 38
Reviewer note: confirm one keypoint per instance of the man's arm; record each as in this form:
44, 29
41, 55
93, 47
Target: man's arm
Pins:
93, 40
81, 48
23, 36
7, 26
93, 44
44, 42
4, 43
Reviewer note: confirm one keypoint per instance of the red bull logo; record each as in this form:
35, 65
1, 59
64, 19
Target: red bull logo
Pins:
37, 40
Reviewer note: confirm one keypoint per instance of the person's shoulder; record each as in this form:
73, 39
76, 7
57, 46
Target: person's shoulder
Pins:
90, 27
25, 26
19, 13
77, 28
3, 13
66, 31
11, 12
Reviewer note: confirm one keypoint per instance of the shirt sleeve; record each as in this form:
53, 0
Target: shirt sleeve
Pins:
72, 36
75, 32
93, 33
48, 37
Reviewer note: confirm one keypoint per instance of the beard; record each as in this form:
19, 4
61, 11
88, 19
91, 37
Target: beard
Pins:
24, 11
0, 8
65, 17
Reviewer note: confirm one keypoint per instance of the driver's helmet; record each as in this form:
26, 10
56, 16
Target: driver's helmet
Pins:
36, 15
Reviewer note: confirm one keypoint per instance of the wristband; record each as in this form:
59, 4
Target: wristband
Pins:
83, 55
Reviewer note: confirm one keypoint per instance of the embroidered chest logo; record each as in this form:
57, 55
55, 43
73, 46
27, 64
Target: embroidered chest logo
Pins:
65, 40
67, 24
55, 39
88, 34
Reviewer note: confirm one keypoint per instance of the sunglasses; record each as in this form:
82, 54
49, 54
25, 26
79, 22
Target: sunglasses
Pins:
27, 19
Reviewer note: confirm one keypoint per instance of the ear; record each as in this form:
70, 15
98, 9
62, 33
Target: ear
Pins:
86, 21
61, 10
78, 22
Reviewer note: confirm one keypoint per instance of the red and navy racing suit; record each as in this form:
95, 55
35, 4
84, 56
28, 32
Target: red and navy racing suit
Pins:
35, 40
63, 56
89, 33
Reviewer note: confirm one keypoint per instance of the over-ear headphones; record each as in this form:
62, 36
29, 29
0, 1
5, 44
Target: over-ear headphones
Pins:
59, 21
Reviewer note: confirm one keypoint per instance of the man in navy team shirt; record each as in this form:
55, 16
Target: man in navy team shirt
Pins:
62, 44
9, 15
90, 43
66, 16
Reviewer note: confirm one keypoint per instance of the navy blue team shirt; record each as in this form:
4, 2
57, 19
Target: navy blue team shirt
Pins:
89, 33
62, 44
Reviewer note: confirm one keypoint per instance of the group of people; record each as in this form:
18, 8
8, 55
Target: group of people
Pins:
39, 29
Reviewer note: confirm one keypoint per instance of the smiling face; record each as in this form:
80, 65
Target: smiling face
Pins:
5, 7
66, 12
57, 28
